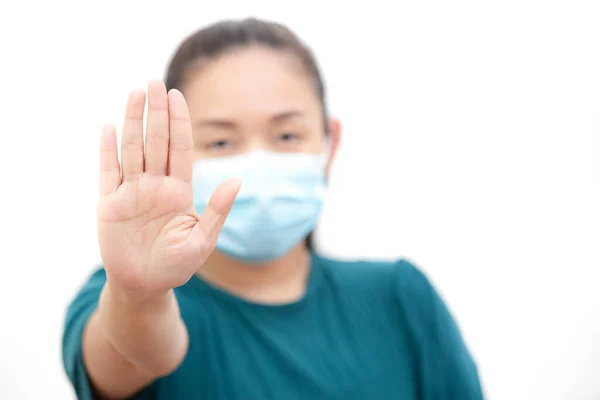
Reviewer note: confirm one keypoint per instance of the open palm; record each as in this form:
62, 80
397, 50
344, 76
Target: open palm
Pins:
151, 238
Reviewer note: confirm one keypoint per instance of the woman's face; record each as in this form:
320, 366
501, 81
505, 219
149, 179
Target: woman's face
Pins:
255, 98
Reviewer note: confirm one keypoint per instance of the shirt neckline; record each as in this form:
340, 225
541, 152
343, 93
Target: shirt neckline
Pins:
314, 279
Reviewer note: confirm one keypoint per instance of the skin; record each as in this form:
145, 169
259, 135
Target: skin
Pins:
152, 239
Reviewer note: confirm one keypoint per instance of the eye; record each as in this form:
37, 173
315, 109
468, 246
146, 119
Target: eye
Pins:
288, 137
218, 144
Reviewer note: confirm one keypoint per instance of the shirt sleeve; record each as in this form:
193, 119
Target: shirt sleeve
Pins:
78, 313
446, 368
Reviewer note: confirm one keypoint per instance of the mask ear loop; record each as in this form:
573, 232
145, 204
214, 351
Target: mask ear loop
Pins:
326, 155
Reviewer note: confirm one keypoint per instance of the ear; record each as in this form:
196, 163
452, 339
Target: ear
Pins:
335, 133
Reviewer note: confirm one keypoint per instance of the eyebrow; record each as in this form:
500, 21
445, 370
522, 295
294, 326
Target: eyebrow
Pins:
230, 124
290, 114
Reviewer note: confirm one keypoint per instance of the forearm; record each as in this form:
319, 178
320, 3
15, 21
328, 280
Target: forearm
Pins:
128, 344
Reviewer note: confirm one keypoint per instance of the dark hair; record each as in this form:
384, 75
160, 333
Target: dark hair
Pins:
217, 39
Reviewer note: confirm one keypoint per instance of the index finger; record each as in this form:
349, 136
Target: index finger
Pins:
181, 144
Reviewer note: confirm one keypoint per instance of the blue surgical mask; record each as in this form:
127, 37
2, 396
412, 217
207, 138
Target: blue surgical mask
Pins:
278, 205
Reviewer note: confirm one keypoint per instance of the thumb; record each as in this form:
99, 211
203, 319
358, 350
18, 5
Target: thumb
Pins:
213, 217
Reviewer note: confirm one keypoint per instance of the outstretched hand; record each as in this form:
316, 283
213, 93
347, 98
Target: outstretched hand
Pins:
151, 237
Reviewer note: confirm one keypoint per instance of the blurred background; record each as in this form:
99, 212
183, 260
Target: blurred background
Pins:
471, 146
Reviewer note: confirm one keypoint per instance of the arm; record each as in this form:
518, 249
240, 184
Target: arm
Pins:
151, 240
127, 344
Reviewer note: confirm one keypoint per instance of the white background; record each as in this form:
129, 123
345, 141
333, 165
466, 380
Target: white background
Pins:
471, 146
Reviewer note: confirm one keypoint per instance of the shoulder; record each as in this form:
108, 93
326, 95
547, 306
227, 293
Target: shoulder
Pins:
400, 278
356, 272
394, 272
412, 285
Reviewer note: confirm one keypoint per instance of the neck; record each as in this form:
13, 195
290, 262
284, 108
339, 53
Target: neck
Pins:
279, 281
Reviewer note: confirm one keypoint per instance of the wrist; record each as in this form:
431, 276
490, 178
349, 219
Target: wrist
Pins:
136, 301
147, 331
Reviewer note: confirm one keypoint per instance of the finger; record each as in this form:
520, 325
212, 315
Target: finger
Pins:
132, 142
181, 144
213, 217
110, 171
157, 129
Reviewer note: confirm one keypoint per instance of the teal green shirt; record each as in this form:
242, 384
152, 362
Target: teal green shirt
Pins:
363, 330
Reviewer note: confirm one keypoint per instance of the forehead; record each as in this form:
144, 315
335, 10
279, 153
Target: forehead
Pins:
252, 80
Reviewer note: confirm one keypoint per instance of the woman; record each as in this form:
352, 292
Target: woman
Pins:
239, 167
